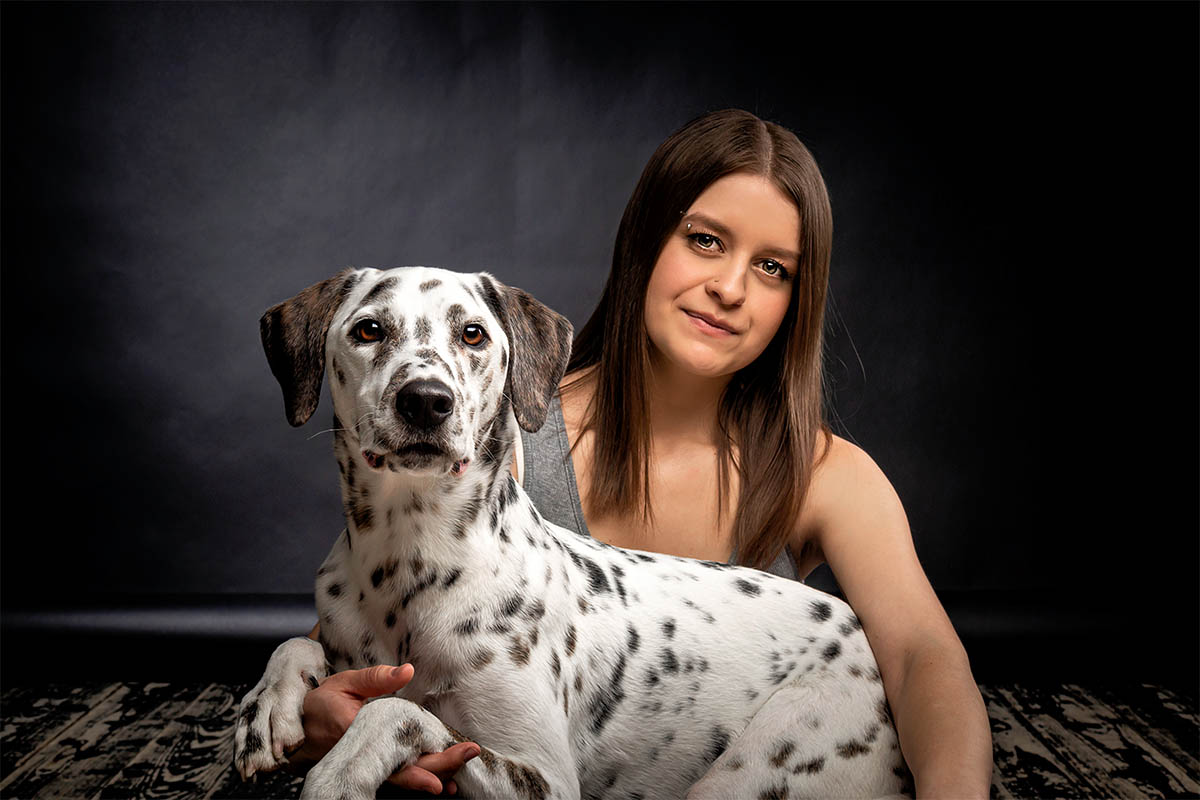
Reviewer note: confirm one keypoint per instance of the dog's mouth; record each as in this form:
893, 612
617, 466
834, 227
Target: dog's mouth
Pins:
413, 456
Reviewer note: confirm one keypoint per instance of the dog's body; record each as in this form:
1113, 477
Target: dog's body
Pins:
583, 670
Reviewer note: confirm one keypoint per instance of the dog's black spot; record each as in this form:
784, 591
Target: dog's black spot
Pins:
597, 582
883, 712
429, 284
413, 591
334, 589
709, 618
519, 651
377, 576
668, 628
409, 734
422, 330
652, 678
378, 290
512, 605
526, 781
390, 620
361, 512
508, 492
778, 792
669, 662
646, 558
481, 658
535, 611
254, 742
250, 712
734, 764
820, 611
831, 651
718, 740
810, 767
714, 565
783, 752
634, 639
852, 749
605, 702
850, 626
451, 577
571, 639
746, 587
555, 664
618, 573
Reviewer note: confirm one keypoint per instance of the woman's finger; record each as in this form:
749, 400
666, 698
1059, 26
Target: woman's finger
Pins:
413, 777
450, 760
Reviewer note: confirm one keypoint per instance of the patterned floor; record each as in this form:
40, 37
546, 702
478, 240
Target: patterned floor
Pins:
158, 740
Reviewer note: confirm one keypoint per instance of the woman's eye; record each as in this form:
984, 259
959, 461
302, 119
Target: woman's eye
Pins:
474, 335
774, 269
706, 241
367, 331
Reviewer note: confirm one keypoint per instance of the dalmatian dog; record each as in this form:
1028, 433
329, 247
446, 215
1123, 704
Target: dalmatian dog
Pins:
583, 670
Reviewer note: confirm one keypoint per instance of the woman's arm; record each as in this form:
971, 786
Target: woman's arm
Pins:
856, 519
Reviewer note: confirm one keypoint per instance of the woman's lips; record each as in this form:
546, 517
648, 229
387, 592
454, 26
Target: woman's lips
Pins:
710, 325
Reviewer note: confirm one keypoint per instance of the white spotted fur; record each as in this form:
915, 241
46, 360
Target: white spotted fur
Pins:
743, 666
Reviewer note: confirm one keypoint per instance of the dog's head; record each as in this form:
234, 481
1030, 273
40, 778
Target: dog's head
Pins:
422, 362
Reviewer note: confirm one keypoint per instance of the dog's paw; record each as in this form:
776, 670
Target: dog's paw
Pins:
269, 721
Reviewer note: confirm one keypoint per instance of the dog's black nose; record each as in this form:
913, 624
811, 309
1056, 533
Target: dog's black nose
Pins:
425, 404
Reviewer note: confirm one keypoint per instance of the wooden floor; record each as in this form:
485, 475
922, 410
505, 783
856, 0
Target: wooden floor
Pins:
175, 740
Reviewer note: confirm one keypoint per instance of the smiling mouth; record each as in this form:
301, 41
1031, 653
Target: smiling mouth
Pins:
710, 323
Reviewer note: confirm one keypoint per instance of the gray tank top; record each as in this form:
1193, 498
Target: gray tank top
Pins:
549, 480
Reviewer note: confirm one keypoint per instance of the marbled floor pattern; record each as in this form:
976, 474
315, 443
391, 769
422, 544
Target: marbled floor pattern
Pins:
168, 740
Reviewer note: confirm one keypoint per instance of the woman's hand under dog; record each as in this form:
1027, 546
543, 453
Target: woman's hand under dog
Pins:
332, 706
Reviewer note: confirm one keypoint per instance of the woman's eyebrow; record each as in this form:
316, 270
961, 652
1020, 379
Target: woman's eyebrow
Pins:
727, 234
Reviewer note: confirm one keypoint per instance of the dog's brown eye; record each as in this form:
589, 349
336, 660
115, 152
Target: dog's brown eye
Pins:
474, 335
367, 331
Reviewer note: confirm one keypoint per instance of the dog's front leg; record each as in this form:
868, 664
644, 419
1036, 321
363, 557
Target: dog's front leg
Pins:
390, 733
269, 719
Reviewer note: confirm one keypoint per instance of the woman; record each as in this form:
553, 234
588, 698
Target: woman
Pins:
691, 424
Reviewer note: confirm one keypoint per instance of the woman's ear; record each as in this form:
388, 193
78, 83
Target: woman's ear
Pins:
540, 344
293, 335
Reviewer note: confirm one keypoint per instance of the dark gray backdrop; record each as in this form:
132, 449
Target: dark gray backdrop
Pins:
1011, 331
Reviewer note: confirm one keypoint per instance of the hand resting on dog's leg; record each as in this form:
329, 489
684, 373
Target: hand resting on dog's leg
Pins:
331, 707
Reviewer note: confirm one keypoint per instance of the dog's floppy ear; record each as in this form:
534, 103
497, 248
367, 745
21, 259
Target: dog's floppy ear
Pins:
540, 344
293, 334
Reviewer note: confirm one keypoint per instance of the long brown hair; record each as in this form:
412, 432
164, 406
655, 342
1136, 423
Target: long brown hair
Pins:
772, 409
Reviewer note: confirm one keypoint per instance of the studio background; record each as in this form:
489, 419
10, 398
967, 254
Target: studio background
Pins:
1011, 332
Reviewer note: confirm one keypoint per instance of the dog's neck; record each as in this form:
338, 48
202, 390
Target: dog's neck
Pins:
401, 518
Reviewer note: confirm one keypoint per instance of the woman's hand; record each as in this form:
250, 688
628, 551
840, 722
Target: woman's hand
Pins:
332, 706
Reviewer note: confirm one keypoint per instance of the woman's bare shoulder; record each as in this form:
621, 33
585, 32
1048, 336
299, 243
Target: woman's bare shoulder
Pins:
844, 477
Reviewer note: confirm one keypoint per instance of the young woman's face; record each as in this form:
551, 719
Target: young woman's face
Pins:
723, 281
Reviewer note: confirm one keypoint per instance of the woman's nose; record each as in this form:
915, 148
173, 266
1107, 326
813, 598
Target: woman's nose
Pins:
728, 284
